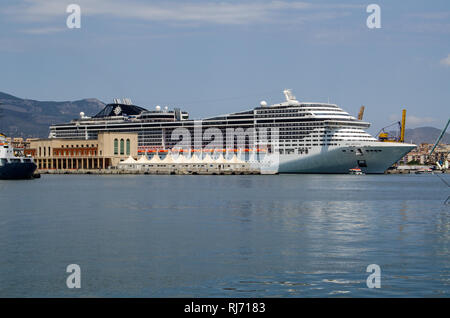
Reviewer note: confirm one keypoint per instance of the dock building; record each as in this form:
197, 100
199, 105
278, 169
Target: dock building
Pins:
106, 151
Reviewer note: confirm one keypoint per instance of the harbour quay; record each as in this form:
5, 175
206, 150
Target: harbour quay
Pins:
415, 169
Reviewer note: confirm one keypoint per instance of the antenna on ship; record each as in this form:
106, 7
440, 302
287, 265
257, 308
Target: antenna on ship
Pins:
127, 101
288, 94
290, 98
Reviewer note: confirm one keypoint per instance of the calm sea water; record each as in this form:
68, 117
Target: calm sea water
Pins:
225, 236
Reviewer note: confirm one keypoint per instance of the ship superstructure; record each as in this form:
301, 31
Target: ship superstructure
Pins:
306, 137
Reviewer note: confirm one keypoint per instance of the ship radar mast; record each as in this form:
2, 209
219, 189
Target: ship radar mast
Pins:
288, 94
290, 98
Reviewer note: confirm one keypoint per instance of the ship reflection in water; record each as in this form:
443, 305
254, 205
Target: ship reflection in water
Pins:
228, 236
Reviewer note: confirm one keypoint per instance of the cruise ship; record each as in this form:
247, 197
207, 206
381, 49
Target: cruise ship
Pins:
305, 137
13, 166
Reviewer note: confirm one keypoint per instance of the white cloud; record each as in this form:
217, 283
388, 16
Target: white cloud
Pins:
415, 121
43, 30
446, 61
230, 13
435, 15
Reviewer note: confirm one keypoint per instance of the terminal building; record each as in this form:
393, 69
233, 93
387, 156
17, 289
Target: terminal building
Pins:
106, 151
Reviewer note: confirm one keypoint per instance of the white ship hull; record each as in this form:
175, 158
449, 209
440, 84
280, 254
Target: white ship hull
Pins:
335, 160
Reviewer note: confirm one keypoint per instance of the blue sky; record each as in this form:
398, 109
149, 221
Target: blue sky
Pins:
216, 57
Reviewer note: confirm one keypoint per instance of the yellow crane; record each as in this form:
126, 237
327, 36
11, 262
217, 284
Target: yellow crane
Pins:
361, 113
383, 135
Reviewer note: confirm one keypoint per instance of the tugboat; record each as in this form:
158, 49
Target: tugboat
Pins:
14, 166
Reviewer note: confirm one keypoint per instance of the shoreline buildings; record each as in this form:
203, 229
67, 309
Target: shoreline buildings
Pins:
421, 155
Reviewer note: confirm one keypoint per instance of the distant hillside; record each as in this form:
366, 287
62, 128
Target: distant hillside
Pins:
424, 135
31, 118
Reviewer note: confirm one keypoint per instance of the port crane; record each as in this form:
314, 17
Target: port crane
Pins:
383, 134
361, 113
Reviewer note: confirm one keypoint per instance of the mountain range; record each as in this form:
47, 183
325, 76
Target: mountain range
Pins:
31, 118
425, 135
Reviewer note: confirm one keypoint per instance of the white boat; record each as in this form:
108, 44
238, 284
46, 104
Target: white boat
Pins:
356, 171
